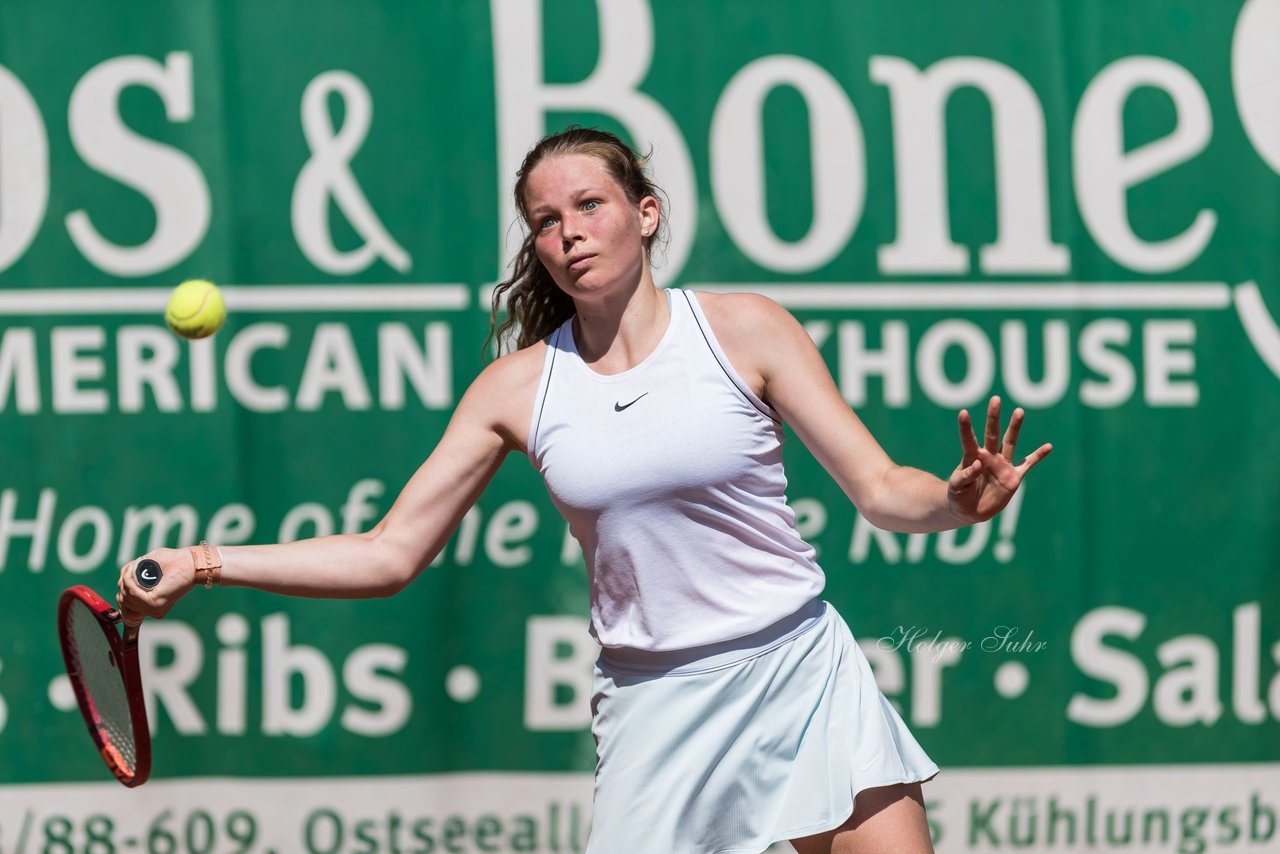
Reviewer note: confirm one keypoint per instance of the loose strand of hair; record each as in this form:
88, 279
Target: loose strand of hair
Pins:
534, 305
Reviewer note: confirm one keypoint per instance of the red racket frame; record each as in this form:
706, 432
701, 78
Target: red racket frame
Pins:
125, 652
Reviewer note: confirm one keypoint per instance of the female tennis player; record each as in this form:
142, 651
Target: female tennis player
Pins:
732, 707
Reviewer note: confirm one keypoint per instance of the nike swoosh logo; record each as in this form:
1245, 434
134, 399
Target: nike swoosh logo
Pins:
618, 407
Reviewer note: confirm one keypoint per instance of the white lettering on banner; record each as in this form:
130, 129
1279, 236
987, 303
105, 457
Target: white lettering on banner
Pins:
231, 525
427, 368
37, 529
506, 538
1255, 76
149, 369
170, 180
856, 362
146, 357
560, 654
19, 371
309, 519
1245, 665
72, 367
283, 661
979, 358
505, 535
1102, 171
1105, 172
1166, 354
838, 178
95, 518
1167, 359
233, 631
365, 675
24, 168
85, 535
168, 524
923, 243
524, 98
1014, 346
327, 174
547, 671
240, 352
1099, 350
204, 388
172, 657
332, 365
1218, 807
358, 509
1104, 663
956, 547
167, 685
1187, 692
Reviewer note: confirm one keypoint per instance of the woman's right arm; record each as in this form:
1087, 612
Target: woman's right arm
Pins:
490, 420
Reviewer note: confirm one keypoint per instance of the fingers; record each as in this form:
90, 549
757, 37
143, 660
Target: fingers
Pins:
991, 436
1011, 434
965, 475
130, 618
134, 602
125, 602
1034, 457
995, 454
968, 444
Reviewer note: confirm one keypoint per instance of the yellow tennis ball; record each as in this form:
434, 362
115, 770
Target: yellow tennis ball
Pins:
195, 309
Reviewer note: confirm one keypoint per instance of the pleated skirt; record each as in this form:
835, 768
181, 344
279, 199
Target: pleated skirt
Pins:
732, 747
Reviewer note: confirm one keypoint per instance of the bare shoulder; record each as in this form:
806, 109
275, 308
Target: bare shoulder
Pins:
503, 394
515, 369
744, 315
753, 331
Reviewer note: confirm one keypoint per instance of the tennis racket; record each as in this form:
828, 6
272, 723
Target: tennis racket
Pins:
103, 668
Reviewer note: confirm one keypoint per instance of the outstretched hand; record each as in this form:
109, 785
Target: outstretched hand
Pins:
987, 478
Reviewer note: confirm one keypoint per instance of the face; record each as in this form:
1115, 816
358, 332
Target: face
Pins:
586, 232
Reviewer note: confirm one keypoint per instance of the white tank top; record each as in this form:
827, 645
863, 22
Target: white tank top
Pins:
670, 476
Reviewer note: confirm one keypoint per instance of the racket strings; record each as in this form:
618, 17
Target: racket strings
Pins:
103, 683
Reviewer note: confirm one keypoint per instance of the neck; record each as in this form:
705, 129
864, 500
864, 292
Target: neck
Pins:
619, 331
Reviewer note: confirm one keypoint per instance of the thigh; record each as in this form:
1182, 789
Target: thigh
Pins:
885, 820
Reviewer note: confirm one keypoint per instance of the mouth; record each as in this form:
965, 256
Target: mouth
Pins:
578, 262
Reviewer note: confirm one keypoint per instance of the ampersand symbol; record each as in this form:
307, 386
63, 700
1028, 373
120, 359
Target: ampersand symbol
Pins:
328, 174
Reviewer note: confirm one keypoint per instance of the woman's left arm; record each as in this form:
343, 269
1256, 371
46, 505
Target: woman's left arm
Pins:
775, 355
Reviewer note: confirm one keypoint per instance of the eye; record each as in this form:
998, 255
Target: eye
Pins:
545, 223
590, 204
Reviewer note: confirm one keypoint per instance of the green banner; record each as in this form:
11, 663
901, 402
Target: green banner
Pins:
1072, 205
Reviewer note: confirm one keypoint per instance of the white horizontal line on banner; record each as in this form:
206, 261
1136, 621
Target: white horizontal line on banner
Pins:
1021, 295
279, 298
456, 297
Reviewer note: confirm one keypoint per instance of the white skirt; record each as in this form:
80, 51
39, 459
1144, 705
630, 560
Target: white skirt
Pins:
732, 747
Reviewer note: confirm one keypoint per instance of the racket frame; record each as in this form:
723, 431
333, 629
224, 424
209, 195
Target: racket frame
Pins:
124, 652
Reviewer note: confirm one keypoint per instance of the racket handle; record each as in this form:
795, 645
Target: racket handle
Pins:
147, 573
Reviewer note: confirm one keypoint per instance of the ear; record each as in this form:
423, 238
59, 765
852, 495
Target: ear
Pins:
650, 215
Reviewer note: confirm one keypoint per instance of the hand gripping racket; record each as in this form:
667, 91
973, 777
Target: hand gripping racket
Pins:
103, 669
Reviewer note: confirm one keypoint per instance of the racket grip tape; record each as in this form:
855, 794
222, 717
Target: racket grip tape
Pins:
147, 573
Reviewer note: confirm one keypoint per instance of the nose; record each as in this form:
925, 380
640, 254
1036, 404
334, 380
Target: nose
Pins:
570, 230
